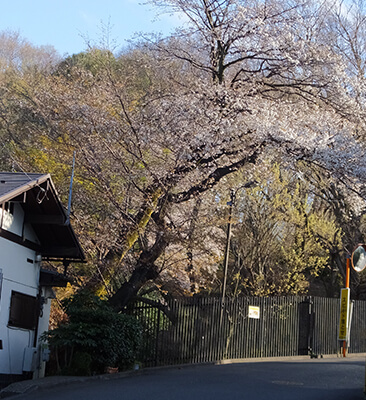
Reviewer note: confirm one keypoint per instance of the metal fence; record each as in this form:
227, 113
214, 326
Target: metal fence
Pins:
201, 330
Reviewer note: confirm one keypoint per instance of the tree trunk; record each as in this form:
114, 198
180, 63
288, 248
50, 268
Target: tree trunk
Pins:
144, 271
141, 274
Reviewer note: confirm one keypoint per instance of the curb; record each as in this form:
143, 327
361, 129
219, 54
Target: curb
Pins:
334, 357
32, 385
28, 386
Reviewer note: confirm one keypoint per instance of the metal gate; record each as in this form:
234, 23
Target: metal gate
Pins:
201, 330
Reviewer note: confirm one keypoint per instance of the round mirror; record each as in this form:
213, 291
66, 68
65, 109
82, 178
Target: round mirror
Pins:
358, 258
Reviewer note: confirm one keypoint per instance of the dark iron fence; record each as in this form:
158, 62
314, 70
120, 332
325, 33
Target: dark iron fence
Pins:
201, 330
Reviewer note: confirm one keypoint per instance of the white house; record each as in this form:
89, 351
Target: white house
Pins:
33, 227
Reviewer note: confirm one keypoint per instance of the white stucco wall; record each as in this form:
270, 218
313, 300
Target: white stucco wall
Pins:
20, 274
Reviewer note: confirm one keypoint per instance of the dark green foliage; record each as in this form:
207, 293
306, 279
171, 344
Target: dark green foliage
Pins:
81, 364
94, 329
93, 60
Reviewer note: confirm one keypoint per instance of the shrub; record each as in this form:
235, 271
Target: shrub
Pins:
93, 328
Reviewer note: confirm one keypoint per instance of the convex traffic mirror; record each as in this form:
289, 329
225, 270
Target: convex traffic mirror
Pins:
358, 258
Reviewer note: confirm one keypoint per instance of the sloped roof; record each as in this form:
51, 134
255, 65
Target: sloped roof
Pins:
44, 212
11, 183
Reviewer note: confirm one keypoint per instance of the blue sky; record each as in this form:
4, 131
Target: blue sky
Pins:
64, 24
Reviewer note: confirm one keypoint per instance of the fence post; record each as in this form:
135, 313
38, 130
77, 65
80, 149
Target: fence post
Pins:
306, 326
157, 339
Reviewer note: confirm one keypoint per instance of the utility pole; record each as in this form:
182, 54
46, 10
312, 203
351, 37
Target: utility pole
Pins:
227, 251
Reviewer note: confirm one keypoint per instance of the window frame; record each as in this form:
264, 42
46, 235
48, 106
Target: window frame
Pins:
23, 311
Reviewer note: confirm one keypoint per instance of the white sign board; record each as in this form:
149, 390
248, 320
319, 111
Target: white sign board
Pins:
254, 312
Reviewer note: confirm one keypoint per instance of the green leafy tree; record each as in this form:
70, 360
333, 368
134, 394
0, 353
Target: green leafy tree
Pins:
280, 236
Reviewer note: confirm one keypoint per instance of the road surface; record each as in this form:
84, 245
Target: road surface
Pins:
317, 379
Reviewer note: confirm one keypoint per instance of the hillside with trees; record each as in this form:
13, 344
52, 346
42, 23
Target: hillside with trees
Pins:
265, 99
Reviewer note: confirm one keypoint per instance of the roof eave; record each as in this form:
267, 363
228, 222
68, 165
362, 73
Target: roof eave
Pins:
24, 188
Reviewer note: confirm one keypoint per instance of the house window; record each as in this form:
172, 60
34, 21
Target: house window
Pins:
23, 311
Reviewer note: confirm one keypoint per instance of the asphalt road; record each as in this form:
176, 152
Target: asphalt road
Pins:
283, 380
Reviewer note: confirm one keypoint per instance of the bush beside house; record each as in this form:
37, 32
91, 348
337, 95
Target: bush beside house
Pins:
93, 338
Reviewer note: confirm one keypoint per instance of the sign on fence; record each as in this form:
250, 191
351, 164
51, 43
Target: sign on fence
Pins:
254, 312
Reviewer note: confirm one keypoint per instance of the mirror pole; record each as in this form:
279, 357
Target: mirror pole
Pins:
348, 272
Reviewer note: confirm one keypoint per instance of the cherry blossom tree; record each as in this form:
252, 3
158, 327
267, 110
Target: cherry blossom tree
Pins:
157, 129
263, 79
